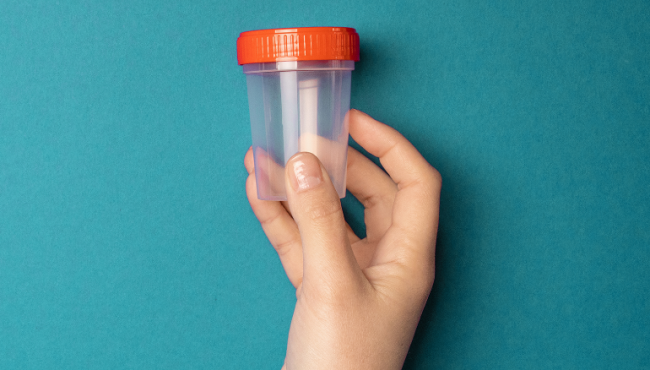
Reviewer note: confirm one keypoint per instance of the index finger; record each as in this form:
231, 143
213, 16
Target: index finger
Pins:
415, 211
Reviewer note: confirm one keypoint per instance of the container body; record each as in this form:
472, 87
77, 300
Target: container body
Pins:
298, 106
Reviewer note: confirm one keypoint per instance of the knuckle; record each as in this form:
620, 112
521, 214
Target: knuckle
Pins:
266, 221
432, 177
283, 248
429, 183
436, 177
373, 200
322, 213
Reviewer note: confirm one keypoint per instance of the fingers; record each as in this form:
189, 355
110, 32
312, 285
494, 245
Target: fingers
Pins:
375, 190
415, 211
278, 225
269, 174
327, 256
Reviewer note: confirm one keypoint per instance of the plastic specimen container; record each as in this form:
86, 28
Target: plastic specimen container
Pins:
298, 96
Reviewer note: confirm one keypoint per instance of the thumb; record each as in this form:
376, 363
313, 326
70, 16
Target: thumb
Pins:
316, 208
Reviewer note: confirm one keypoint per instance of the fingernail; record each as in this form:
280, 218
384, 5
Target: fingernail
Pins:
306, 173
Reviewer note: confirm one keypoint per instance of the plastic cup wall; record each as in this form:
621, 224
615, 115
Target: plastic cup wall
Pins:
298, 107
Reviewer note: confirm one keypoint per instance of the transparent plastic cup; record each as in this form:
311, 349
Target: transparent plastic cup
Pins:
298, 106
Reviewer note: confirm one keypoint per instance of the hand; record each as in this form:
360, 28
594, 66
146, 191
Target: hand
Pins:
358, 300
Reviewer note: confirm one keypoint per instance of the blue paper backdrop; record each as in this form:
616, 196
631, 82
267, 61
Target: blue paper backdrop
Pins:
126, 241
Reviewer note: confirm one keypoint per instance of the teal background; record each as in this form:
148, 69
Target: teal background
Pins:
126, 241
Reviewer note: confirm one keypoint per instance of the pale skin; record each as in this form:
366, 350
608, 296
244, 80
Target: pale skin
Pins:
358, 300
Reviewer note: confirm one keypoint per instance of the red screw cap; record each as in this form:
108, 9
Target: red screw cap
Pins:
294, 44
